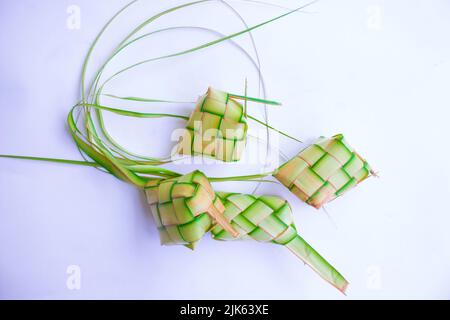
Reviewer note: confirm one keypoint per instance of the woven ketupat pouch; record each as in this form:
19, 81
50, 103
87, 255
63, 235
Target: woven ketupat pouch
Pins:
262, 218
184, 208
217, 128
270, 219
323, 171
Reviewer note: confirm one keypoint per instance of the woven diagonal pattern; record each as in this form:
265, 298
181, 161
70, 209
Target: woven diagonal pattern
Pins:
185, 208
216, 128
323, 171
263, 218
270, 219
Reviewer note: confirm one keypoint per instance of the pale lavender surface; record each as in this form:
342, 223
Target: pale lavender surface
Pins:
378, 71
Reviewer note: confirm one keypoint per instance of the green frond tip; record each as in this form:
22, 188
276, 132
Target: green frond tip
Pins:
130, 113
208, 44
274, 129
54, 160
258, 100
269, 219
139, 99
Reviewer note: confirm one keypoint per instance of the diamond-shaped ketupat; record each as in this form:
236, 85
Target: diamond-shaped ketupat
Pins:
184, 208
217, 128
324, 171
270, 219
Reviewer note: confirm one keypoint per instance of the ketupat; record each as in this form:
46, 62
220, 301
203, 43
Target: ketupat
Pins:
216, 128
184, 208
323, 171
270, 219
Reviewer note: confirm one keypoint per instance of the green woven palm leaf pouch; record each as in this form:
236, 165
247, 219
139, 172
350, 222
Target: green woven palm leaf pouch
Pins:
185, 208
323, 171
217, 128
270, 219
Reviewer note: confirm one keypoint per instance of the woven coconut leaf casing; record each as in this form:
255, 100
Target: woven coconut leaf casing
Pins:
323, 171
217, 128
185, 208
270, 219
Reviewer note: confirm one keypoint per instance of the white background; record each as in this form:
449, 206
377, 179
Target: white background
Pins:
377, 71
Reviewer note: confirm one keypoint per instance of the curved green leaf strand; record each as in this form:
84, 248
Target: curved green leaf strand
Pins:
119, 149
120, 48
168, 159
88, 121
205, 45
105, 131
189, 51
92, 145
264, 101
194, 49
